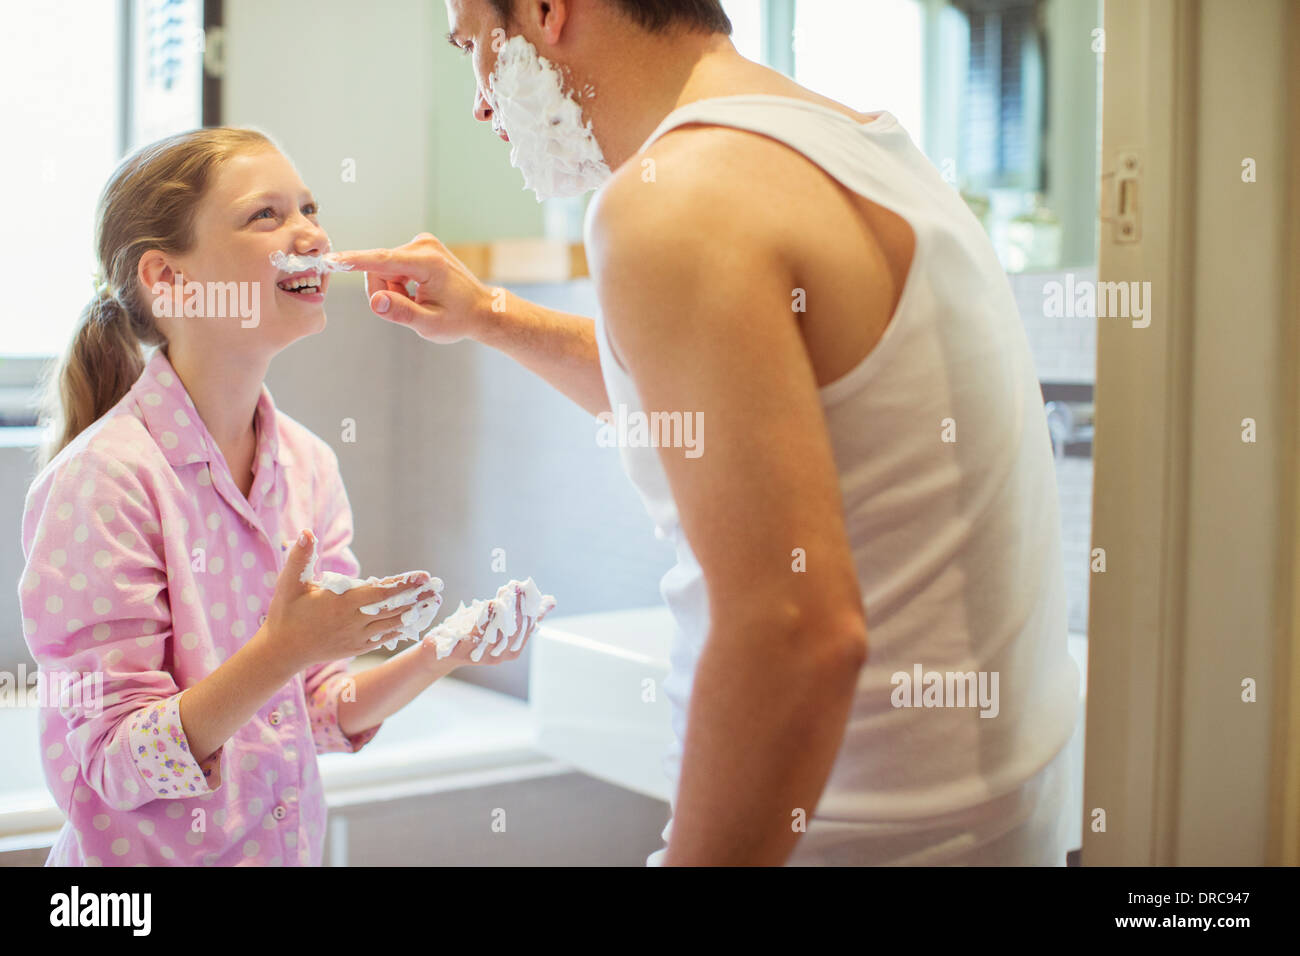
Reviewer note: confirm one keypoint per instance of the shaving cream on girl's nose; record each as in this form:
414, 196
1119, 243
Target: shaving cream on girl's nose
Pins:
297, 263
549, 143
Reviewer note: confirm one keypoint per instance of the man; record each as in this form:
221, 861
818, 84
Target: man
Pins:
875, 501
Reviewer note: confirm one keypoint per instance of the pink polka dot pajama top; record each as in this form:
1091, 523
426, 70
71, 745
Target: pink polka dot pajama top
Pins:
146, 569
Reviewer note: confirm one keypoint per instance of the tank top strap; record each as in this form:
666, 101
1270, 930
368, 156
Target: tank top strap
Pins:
760, 112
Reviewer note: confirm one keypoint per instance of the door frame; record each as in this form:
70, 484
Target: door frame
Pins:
1198, 591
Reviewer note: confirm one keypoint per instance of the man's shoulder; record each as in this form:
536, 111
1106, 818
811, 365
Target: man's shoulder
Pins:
694, 185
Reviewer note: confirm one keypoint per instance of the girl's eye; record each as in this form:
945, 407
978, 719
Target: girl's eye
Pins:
310, 209
467, 49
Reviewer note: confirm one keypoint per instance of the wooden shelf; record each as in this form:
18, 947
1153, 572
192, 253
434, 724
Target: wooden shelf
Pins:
523, 260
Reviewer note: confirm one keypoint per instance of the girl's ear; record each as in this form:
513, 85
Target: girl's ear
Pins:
157, 275
160, 296
154, 269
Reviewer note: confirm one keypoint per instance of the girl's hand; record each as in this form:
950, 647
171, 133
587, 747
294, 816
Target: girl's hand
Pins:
449, 301
308, 625
505, 649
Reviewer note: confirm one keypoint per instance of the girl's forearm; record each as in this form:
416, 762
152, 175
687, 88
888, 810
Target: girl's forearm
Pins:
557, 346
386, 688
216, 707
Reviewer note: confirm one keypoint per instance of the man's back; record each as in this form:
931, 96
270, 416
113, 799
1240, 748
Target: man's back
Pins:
935, 420
850, 255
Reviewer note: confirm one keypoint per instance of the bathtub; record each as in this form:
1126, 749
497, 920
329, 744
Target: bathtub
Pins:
424, 791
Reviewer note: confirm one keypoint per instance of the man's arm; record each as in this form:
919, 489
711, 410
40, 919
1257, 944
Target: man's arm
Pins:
698, 306
451, 304
557, 346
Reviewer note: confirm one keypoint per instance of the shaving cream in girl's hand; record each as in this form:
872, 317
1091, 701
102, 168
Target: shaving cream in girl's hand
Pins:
413, 621
495, 620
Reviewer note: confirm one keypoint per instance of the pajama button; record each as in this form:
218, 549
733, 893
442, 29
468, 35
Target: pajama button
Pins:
274, 718
279, 813
261, 620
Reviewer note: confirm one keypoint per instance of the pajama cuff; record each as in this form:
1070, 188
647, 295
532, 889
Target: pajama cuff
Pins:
324, 708
162, 753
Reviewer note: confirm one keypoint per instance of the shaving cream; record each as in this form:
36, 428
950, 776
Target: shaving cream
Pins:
489, 623
296, 263
549, 142
492, 622
414, 619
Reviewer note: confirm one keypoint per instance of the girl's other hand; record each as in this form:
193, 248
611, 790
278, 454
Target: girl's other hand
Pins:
308, 625
505, 649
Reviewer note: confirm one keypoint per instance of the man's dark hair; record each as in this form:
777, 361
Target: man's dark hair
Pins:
657, 15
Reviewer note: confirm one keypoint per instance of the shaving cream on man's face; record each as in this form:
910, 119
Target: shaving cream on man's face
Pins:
549, 142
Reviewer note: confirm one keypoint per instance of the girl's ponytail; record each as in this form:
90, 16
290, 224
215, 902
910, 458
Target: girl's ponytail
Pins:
102, 362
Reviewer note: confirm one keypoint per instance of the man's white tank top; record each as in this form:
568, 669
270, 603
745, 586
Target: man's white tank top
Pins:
949, 495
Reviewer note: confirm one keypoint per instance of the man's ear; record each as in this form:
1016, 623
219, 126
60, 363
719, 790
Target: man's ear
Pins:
549, 16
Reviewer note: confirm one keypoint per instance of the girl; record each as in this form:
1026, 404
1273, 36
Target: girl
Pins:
201, 671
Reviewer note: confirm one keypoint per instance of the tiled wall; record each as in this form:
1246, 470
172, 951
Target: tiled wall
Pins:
1074, 485
1065, 349
1065, 352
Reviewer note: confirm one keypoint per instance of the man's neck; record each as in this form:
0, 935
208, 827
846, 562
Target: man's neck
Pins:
654, 76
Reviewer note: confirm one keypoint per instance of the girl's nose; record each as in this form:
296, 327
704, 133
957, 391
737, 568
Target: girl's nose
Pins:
312, 241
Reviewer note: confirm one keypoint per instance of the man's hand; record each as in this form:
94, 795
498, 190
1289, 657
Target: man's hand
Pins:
449, 303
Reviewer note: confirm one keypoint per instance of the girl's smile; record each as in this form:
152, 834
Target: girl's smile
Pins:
307, 286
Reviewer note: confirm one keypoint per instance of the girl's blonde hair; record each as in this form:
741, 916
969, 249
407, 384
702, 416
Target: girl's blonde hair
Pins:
148, 203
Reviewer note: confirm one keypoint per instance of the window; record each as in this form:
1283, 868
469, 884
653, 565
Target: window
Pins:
60, 101
867, 56
1002, 120
56, 102
167, 78
747, 27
